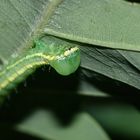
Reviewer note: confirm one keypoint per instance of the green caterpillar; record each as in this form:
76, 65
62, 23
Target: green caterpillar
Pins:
64, 59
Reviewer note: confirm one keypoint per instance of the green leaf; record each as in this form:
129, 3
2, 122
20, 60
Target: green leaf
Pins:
111, 23
119, 65
87, 88
44, 124
117, 117
20, 23
114, 24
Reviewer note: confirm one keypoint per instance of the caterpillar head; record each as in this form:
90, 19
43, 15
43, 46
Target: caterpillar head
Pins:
65, 59
67, 62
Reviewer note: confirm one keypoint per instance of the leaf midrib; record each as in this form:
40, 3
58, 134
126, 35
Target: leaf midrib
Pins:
38, 30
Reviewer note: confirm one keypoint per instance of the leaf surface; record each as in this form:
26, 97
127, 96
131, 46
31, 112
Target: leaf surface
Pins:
82, 127
108, 23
